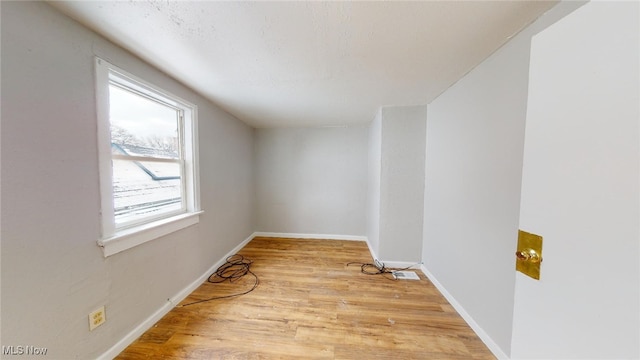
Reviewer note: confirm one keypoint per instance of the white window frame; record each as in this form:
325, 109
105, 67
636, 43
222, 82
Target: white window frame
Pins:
116, 239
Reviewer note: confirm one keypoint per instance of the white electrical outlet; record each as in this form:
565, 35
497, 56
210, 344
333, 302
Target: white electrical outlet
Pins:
97, 318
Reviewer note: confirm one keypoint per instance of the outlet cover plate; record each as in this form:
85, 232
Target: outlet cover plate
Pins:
97, 318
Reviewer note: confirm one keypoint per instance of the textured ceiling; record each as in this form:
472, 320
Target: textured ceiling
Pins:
275, 64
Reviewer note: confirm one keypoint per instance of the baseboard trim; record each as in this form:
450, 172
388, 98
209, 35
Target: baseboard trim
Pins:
168, 306
486, 339
401, 264
393, 264
374, 256
309, 236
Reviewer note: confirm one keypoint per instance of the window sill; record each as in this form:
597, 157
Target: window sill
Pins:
128, 238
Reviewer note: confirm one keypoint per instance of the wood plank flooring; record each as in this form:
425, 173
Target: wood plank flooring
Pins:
310, 305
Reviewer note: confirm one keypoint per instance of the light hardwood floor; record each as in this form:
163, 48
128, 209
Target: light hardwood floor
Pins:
311, 305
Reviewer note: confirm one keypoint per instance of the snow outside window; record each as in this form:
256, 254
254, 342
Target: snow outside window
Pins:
148, 159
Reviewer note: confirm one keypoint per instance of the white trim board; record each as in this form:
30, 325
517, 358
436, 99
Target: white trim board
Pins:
373, 253
401, 264
168, 306
486, 339
393, 264
309, 236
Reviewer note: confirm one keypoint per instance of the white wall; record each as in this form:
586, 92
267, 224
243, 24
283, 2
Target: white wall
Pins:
373, 184
581, 188
402, 183
312, 180
474, 148
53, 272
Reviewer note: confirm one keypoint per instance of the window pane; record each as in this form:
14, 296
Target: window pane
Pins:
144, 189
147, 128
142, 127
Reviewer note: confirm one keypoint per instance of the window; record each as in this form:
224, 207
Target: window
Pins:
147, 160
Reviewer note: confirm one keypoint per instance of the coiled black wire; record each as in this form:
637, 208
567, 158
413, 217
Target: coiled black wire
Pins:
235, 268
372, 269
378, 269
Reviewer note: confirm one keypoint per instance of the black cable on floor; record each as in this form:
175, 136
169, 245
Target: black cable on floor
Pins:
235, 268
372, 269
378, 269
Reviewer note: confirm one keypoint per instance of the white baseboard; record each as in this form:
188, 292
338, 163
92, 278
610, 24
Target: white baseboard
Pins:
393, 264
374, 256
168, 306
310, 236
486, 339
401, 264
